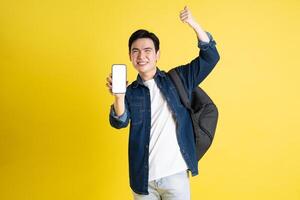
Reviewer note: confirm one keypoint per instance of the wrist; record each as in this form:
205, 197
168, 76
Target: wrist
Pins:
119, 98
194, 25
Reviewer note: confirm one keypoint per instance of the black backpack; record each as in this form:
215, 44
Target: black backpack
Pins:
203, 111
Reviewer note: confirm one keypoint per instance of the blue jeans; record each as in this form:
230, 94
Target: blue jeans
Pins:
174, 187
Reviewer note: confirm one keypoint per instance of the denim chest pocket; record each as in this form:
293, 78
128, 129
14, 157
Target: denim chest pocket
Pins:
137, 111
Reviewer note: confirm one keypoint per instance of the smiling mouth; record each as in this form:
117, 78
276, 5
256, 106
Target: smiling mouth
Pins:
142, 63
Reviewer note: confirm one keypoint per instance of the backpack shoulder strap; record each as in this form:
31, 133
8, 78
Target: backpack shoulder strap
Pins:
180, 88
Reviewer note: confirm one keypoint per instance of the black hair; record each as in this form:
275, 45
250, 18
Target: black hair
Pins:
142, 33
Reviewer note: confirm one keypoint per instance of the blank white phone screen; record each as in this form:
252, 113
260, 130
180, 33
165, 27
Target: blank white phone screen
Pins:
119, 78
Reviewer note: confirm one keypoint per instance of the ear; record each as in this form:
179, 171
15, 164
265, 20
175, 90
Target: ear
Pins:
129, 57
158, 54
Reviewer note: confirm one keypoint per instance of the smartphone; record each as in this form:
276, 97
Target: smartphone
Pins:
119, 77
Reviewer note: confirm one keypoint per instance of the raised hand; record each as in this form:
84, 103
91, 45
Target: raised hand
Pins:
186, 17
109, 86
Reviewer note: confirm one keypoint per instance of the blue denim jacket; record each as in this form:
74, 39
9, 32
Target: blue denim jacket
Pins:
138, 113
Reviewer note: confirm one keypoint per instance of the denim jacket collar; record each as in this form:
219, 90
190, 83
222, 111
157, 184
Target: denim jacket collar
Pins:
139, 80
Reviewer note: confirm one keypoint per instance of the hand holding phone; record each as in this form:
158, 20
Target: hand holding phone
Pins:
119, 76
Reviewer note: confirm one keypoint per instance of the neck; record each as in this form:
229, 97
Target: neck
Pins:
148, 75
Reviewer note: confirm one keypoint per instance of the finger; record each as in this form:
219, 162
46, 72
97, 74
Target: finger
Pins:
108, 85
184, 14
108, 79
187, 9
184, 18
184, 11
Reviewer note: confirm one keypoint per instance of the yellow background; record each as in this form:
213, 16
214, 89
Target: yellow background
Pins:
55, 139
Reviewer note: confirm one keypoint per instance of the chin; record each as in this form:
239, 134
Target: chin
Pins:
142, 69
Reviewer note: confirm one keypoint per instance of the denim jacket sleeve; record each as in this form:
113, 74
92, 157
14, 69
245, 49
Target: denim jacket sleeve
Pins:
119, 121
193, 73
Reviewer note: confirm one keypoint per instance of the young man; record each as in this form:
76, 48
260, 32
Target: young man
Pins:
161, 140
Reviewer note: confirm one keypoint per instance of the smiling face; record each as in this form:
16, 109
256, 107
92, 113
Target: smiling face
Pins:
143, 57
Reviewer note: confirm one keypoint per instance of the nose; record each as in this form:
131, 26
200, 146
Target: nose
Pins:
140, 55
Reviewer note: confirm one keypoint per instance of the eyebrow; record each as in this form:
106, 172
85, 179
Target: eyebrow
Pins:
143, 48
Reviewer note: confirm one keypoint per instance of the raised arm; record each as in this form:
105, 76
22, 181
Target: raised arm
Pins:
193, 73
186, 17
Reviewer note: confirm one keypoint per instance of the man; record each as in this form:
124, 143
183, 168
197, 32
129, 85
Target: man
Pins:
161, 139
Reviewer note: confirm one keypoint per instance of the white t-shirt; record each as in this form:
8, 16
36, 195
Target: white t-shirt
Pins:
165, 157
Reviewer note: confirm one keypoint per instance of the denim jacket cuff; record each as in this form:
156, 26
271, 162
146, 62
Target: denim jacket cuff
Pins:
121, 118
204, 45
